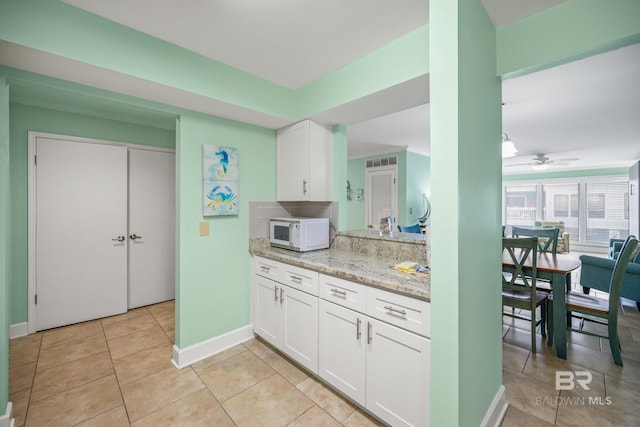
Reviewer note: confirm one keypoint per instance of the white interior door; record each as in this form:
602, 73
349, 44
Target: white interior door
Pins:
382, 196
152, 208
81, 223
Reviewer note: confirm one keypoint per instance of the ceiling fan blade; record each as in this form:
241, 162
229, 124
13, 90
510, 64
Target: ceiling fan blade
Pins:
519, 164
567, 159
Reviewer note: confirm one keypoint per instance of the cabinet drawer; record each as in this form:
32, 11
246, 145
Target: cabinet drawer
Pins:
300, 278
343, 292
399, 310
264, 267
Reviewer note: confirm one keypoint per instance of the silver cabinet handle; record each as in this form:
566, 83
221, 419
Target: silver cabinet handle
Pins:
369, 337
275, 293
281, 292
358, 332
395, 310
265, 268
304, 186
135, 237
119, 239
297, 279
339, 292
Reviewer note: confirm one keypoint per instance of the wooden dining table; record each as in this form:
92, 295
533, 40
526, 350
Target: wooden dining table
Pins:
557, 269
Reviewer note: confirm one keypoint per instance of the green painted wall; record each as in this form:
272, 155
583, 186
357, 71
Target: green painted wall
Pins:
569, 31
466, 350
26, 118
340, 173
413, 180
418, 181
5, 235
356, 208
214, 274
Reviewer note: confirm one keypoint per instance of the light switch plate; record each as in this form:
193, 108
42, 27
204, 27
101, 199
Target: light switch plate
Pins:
204, 228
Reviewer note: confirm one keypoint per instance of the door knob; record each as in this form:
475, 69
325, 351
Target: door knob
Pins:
119, 239
135, 237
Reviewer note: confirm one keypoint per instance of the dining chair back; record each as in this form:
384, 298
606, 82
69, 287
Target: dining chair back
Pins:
547, 237
601, 308
519, 289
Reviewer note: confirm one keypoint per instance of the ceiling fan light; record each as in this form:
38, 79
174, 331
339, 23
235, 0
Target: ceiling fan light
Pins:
540, 166
508, 149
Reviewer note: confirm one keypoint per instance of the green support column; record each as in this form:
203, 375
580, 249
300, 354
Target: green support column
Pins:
4, 241
466, 348
340, 174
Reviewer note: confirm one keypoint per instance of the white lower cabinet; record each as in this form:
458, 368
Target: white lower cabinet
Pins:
379, 366
397, 375
341, 337
288, 319
343, 350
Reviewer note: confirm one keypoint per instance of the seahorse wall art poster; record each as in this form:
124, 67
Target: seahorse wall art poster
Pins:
220, 180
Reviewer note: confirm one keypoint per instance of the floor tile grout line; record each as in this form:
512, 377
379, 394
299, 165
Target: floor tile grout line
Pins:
115, 373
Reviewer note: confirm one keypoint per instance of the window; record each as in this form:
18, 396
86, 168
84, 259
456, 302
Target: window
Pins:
595, 205
520, 205
607, 212
592, 210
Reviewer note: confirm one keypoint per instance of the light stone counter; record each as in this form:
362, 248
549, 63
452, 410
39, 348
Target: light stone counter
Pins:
351, 265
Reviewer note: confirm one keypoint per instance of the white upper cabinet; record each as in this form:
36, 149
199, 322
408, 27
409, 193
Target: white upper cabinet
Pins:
304, 155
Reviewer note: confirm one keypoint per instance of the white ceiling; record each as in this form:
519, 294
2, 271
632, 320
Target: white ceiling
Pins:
588, 109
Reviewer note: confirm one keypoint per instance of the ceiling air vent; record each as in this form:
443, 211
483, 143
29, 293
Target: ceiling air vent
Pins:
382, 161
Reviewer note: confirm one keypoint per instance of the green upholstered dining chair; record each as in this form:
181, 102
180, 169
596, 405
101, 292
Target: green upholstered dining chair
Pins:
547, 237
598, 307
519, 290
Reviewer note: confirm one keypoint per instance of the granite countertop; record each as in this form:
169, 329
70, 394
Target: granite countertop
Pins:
366, 269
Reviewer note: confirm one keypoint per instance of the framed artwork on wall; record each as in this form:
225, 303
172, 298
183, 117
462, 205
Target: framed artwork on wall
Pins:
220, 178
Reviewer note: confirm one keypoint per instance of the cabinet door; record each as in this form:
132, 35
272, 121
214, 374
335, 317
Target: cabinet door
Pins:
267, 311
397, 375
292, 151
342, 350
300, 327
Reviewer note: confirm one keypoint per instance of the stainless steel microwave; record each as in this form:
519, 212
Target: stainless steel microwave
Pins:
299, 234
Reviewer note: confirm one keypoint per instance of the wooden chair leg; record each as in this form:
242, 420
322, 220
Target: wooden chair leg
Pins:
549, 323
614, 343
534, 326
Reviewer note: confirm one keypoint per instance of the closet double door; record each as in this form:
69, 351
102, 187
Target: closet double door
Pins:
104, 229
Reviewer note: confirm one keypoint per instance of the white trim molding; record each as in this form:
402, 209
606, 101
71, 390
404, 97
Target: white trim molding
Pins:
18, 330
497, 409
184, 357
6, 420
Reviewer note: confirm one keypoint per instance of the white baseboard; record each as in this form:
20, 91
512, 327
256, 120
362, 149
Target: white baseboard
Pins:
496, 410
6, 420
18, 330
186, 356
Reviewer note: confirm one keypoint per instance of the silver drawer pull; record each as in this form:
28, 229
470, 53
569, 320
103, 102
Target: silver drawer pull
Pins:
275, 293
265, 268
339, 292
281, 292
369, 337
296, 278
395, 310
358, 331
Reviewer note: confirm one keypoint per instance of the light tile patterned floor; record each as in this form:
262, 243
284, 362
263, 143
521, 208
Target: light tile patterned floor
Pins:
117, 372
529, 378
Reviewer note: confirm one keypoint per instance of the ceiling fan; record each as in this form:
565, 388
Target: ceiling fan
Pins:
542, 162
